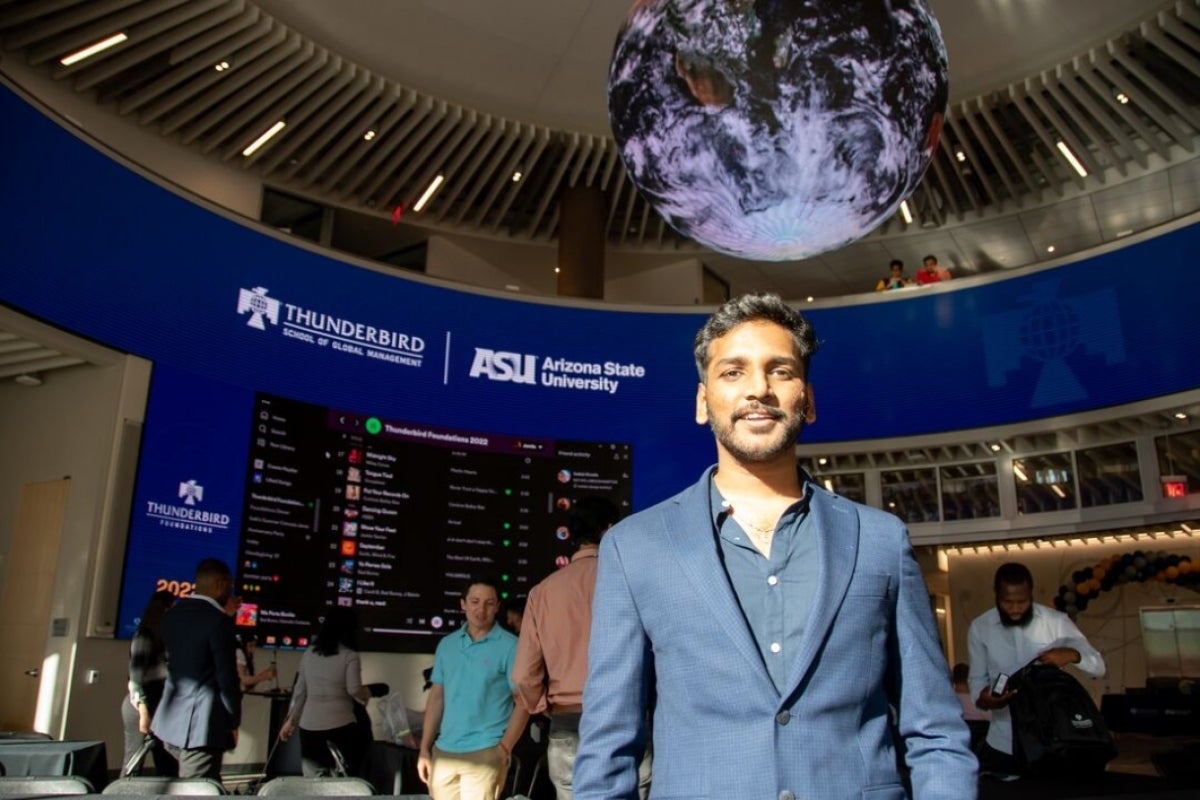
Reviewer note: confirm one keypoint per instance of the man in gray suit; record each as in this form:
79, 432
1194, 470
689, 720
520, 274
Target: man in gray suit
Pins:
787, 630
201, 707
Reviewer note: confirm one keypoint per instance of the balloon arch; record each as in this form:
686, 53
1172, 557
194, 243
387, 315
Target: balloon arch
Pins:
1137, 567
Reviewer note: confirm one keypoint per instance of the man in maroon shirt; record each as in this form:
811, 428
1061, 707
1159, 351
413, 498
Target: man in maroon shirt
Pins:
551, 662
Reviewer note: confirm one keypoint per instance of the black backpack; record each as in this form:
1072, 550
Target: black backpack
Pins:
1057, 729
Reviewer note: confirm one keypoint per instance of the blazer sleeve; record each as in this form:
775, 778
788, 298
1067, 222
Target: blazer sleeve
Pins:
229, 686
612, 732
929, 717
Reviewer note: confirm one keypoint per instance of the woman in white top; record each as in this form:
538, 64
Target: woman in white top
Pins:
329, 683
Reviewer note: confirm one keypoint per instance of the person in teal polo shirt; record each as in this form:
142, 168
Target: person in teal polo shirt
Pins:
471, 721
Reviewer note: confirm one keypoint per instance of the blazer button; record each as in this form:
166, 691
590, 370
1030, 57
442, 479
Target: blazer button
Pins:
783, 718
787, 795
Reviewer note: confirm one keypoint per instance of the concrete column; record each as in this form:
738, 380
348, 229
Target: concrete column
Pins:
581, 222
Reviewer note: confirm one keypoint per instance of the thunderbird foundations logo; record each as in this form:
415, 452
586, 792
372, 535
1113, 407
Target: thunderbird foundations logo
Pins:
191, 492
256, 303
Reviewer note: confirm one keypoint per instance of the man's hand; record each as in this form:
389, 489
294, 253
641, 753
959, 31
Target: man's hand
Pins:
504, 759
1059, 656
989, 702
424, 766
143, 718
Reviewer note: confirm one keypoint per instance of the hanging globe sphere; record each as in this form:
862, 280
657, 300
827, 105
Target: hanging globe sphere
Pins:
776, 130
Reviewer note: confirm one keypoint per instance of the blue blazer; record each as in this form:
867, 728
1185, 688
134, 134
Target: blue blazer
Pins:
665, 614
202, 701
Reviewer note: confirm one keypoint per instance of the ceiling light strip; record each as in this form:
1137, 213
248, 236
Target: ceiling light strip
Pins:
264, 138
1071, 159
433, 187
93, 49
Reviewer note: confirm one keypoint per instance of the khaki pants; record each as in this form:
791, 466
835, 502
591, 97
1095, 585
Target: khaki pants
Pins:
466, 776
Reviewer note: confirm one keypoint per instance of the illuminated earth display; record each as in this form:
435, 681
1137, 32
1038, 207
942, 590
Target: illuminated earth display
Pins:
777, 129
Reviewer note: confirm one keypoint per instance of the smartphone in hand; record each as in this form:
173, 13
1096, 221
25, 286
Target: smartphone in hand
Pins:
1001, 684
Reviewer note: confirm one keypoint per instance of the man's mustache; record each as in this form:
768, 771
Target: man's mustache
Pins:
756, 408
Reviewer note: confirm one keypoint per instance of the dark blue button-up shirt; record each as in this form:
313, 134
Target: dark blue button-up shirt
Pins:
775, 592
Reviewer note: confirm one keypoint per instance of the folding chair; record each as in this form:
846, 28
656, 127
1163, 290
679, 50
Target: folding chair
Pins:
293, 786
28, 786
163, 785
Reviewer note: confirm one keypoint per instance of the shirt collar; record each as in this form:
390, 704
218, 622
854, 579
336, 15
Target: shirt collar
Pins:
491, 634
209, 600
586, 551
719, 507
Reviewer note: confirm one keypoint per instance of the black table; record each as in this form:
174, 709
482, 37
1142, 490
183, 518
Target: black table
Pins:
28, 757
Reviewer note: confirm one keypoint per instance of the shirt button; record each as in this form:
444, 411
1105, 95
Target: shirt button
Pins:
783, 717
771, 581
776, 647
786, 795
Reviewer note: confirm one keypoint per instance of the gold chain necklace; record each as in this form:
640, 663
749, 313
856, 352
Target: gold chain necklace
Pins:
761, 536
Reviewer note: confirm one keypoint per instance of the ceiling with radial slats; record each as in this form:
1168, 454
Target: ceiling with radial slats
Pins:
214, 75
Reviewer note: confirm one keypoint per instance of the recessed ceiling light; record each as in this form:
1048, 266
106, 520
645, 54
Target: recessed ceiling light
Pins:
1122, 98
516, 176
822, 461
1180, 415
368, 136
264, 138
557, 270
93, 49
809, 299
960, 155
996, 447
512, 287
1050, 249
221, 66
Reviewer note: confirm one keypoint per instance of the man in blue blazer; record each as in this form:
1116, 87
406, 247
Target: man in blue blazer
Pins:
201, 707
787, 631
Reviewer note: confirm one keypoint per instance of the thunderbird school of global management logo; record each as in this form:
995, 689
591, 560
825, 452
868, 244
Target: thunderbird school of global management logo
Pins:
319, 329
561, 373
187, 516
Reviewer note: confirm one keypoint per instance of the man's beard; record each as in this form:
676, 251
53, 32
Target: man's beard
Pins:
757, 448
1019, 622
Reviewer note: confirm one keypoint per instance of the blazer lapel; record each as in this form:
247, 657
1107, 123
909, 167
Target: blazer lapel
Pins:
689, 528
836, 527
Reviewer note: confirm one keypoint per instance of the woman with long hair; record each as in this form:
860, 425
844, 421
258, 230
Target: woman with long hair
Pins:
328, 686
147, 677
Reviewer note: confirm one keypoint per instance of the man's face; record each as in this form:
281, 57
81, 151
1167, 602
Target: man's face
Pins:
480, 605
1015, 604
754, 396
897, 270
930, 264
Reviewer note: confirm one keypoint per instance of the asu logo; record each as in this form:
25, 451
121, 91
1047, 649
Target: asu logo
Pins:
504, 366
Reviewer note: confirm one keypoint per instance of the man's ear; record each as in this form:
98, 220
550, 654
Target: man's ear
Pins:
701, 405
810, 405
